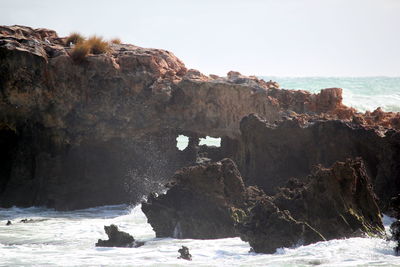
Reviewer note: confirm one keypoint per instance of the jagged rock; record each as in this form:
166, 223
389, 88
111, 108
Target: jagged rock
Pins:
184, 251
333, 203
267, 228
117, 238
199, 203
393, 208
338, 202
271, 153
8, 222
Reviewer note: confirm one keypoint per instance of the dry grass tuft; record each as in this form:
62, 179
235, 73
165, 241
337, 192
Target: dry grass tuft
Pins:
74, 38
80, 51
116, 41
98, 45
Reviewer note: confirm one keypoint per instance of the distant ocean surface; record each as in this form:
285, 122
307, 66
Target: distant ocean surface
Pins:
362, 93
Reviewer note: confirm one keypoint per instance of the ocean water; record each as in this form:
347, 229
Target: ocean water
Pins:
68, 239
362, 93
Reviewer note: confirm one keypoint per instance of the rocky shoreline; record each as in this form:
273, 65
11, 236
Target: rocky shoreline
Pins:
100, 132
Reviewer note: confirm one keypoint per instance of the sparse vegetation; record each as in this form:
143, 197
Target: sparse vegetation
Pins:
97, 45
74, 38
116, 41
80, 51
83, 47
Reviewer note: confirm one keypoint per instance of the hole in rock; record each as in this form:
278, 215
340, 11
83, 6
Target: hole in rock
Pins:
210, 141
182, 141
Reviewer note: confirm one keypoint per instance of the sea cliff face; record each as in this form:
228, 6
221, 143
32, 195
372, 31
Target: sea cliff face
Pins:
103, 131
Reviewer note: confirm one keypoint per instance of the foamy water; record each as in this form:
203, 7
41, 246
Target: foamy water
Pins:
68, 239
362, 93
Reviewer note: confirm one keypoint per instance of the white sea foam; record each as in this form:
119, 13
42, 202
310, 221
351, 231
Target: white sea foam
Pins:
68, 238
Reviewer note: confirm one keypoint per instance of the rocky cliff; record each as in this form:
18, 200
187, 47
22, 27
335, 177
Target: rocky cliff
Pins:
102, 131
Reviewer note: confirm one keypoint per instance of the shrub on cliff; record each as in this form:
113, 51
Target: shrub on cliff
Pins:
80, 51
116, 41
74, 38
97, 45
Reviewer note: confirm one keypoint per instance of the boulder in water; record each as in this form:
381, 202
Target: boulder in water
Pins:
184, 251
117, 238
268, 228
8, 222
199, 203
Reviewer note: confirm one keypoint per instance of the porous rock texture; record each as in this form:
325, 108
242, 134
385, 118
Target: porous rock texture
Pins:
103, 131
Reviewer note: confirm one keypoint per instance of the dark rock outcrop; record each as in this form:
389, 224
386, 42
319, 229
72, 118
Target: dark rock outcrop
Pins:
270, 154
210, 201
117, 238
184, 251
8, 222
199, 203
334, 203
393, 207
338, 202
268, 228
395, 231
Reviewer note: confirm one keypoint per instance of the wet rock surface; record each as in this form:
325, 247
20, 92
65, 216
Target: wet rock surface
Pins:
185, 255
338, 202
210, 201
334, 203
198, 203
267, 228
118, 238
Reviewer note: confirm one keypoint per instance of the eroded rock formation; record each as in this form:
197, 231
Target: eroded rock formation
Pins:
199, 202
102, 131
210, 201
271, 153
338, 202
267, 228
117, 238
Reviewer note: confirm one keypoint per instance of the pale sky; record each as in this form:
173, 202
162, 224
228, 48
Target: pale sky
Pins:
258, 37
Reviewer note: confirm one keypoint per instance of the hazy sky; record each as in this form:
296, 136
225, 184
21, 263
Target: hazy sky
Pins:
261, 37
